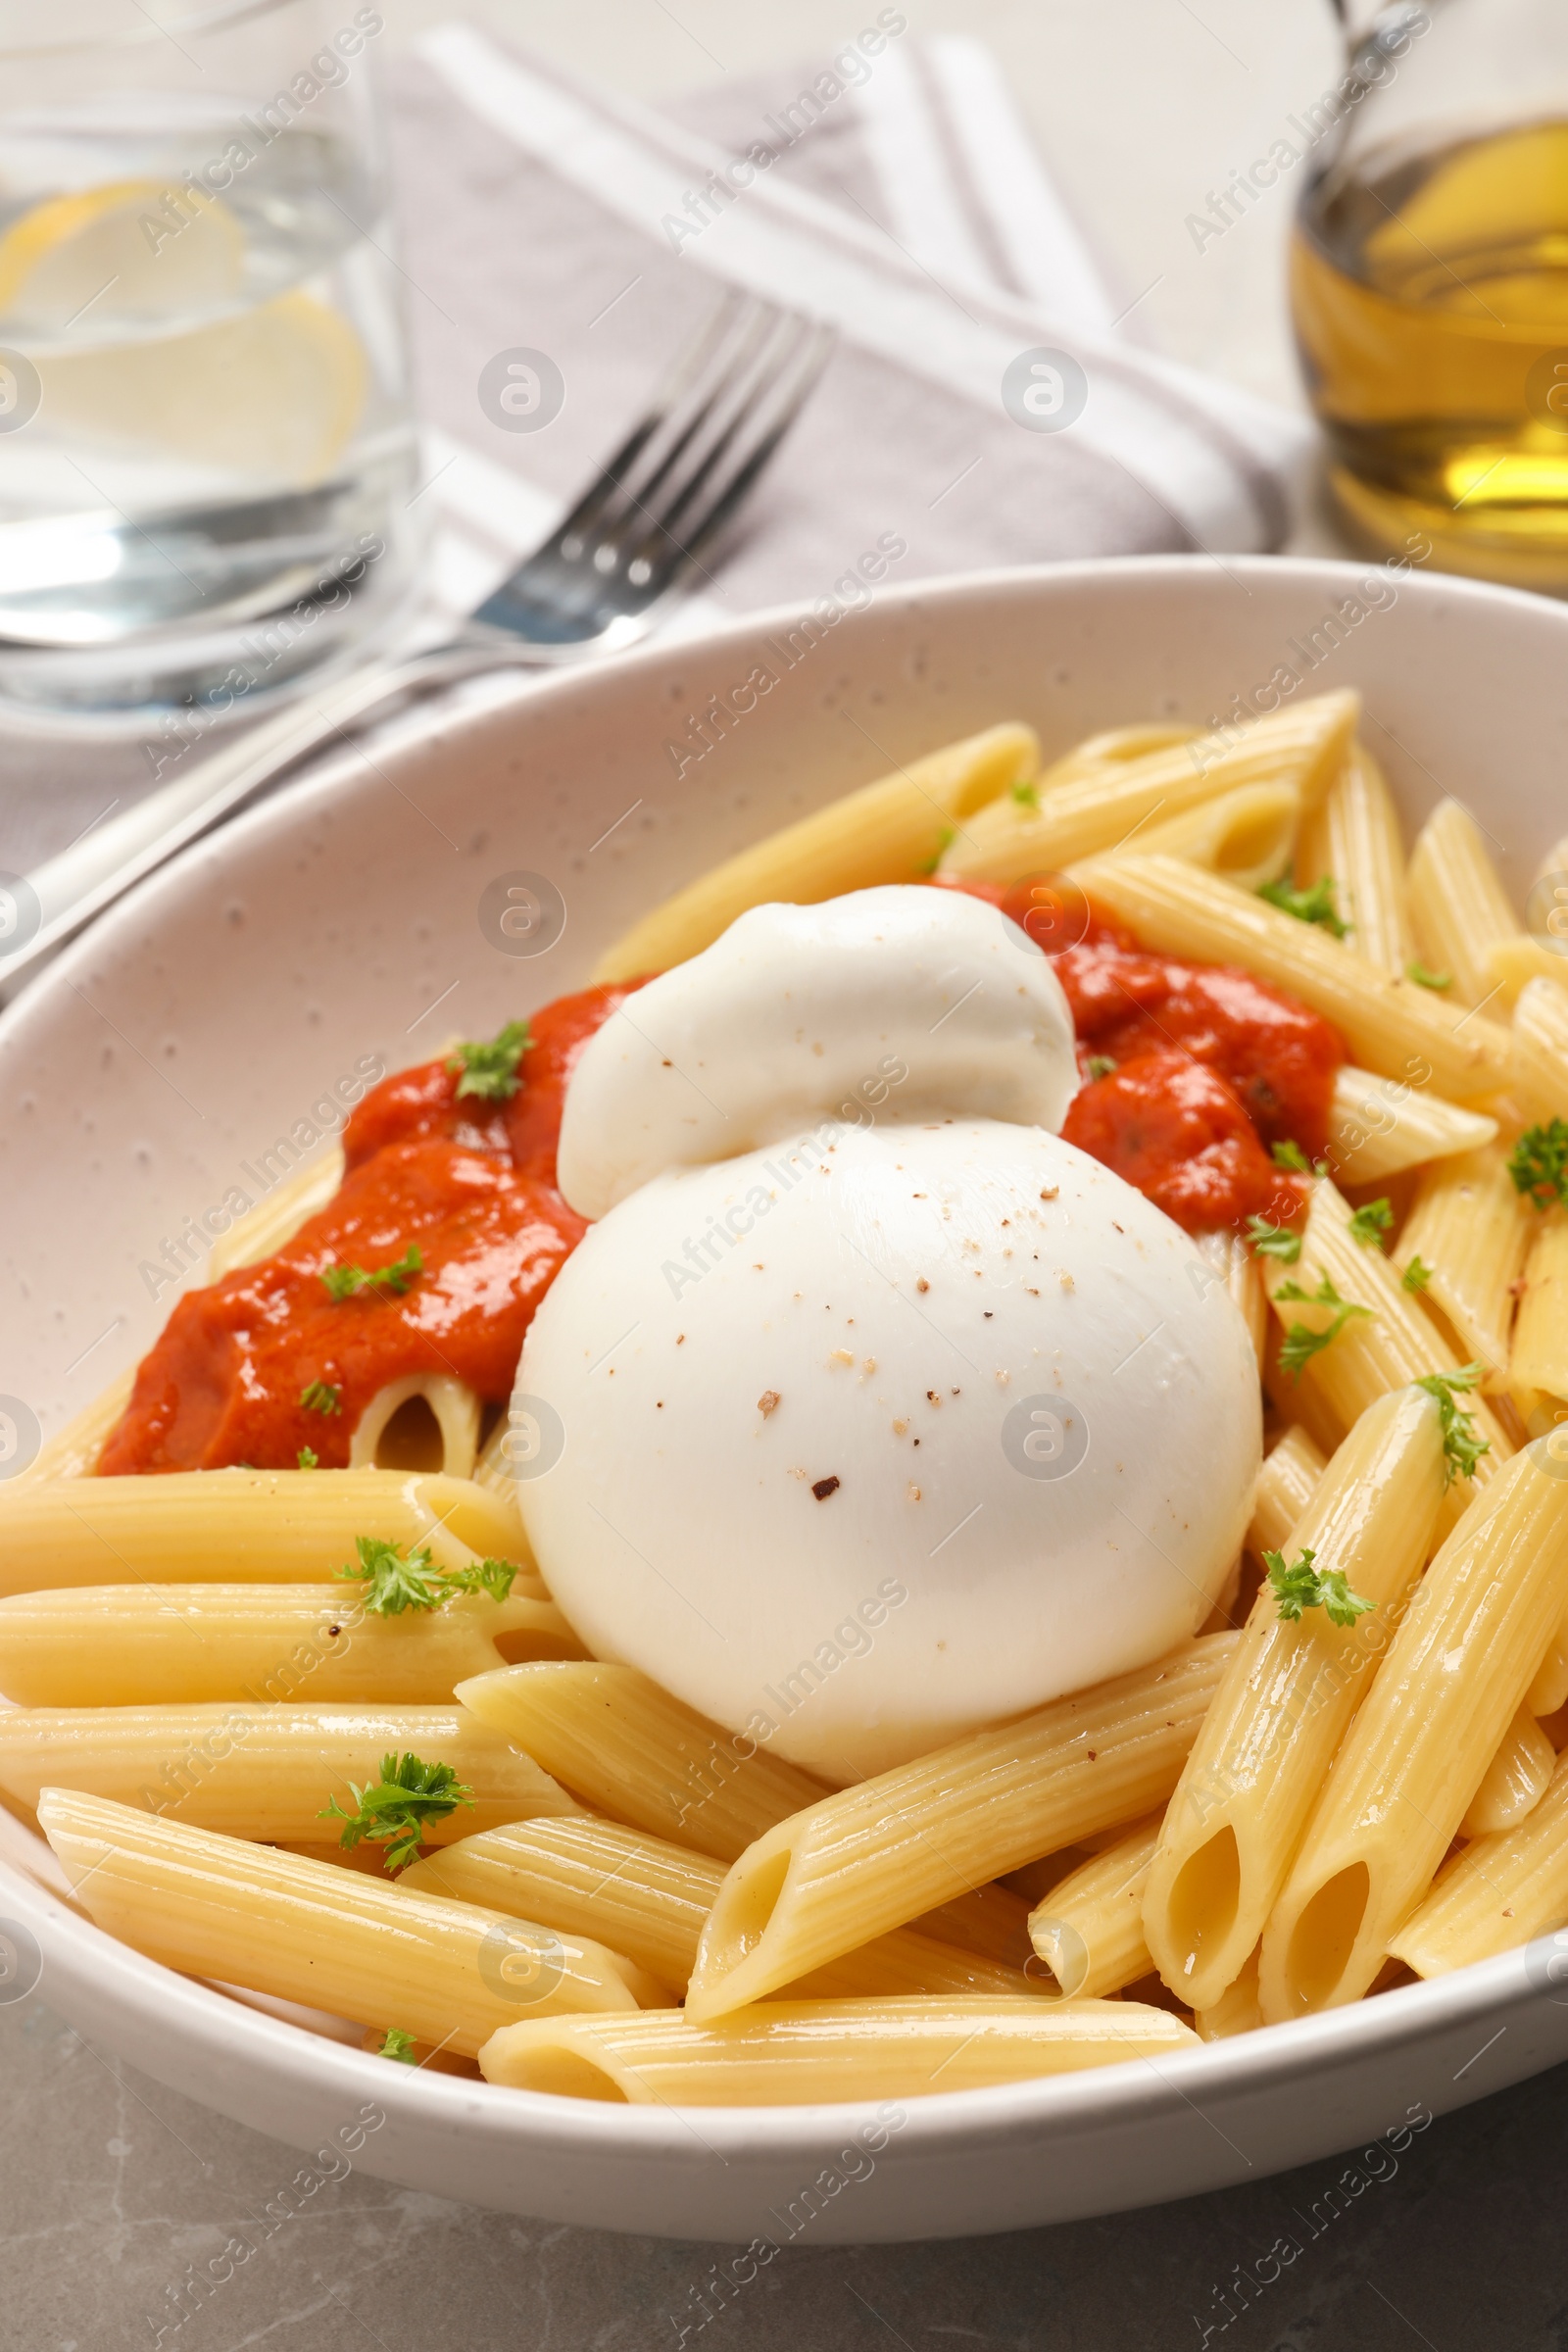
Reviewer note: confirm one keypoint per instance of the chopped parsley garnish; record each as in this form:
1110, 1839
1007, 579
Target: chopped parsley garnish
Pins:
411, 1581
320, 1397
398, 2046
1461, 1447
1539, 1163
944, 843
1274, 1241
490, 1069
1291, 1155
1314, 905
309, 1460
1100, 1065
1423, 979
1026, 795
1300, 1586
346, 1281
1417, 1274
1368, 1225
394, 1810
1300, 1345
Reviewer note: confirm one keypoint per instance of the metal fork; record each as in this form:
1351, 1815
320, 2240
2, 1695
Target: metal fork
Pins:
643, 527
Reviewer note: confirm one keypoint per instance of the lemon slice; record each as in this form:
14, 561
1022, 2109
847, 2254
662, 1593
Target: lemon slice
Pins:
132, 249
270, 397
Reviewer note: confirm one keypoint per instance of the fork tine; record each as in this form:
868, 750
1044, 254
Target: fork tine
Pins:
711, 497
687, 368
722, 391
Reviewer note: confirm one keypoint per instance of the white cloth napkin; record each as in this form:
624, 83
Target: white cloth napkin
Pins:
912, 209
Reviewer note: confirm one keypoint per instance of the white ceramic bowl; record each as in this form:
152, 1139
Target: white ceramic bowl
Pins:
198, 1020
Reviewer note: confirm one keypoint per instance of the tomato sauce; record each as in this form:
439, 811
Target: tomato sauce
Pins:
1193, 1072
470, 1182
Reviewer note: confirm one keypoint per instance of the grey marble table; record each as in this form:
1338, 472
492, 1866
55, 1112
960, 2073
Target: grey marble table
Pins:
112, 2187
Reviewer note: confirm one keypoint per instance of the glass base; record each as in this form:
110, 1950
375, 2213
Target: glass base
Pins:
1524, 547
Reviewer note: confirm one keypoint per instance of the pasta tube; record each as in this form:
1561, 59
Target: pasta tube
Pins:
276, 1220
1515, 1780
1233, 1262
271, 1526
1113, 748
892, 831
651, 1901
1540, 1358
1286, 1485
334, 1939
428, 1422
1541, 1045
1380, 1126
1245, 835
1459, 907
1352, 839
879, 1854
1502, 1891
636, 1753
1235, 2012
1470, 1230
1395, 1341
1392, 1027
1088, 1929
73, 1451
263, 1771
785, 2053
1234, 1824
1412, 1762
1015, 838
125, 1646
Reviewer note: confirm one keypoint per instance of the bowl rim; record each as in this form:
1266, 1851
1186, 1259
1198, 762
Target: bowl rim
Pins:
1260, 2062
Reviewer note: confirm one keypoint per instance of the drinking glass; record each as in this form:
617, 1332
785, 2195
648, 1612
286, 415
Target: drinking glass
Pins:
206, 448
1429, 284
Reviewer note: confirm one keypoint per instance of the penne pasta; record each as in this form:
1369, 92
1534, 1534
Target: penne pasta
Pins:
73, 1451
1541, 1047
1233, 1262
890, 831
1458, 907
1393, 1342
1088, 1929
1381, 1126
1100, 754
1466, 1652
278, 1219
1352, 839
878, 1855
215, 1906
634, 1752
791, 2052
1391, 1026
1540, 1359
1100, 810
1235, 2012
1470, 1229
1292, 1687
266, 1771
1501, 1891
650, 1899
1514, 1782
1512, 963
1286, 1485
262, 1525
1247, 835
125, 1646
428, 1422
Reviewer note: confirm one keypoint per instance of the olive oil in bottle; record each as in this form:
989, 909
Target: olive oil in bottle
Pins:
1430, 296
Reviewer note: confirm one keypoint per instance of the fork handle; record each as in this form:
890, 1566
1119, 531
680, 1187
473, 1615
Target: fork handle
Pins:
81, 881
